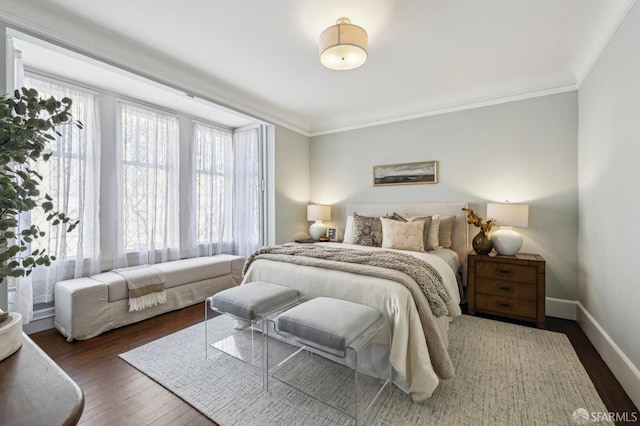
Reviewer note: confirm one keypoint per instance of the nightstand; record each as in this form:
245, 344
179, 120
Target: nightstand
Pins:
306, 241
312, 241
508, 286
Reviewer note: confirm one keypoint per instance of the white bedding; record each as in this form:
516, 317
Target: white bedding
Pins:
449, 256
409, 352
444, 260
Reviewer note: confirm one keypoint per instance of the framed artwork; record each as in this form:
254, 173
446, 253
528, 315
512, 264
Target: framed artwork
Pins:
406, 173
332, 233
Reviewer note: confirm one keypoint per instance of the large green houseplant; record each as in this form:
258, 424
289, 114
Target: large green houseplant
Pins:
27, 124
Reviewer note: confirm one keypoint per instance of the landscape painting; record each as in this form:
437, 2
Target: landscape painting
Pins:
406, 174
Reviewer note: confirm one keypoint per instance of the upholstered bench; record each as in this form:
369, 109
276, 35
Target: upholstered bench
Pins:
253, 300
87, 307
249, 304
338, 330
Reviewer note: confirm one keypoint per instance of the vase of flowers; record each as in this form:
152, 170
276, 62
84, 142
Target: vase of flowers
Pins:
481, 243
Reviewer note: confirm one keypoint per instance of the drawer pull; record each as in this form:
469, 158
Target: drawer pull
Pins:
506, 272
503, 305
505, 288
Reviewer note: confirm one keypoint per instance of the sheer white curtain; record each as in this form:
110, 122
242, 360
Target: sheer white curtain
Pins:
22, 299
227, 197
247, 229
147, 179
212, 198
71, 177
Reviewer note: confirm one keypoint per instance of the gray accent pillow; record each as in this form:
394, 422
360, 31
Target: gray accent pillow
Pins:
367, 231
445, 231
396, 216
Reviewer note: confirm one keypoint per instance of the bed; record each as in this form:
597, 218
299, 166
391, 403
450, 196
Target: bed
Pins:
418, 350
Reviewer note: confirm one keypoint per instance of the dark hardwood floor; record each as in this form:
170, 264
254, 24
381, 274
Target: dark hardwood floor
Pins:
608, 387
118, 394
115, 392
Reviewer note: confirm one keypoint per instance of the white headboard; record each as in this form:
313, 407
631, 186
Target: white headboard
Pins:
460, 236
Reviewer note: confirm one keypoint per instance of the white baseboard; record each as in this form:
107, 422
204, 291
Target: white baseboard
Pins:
561, 308
42, 320
620, 365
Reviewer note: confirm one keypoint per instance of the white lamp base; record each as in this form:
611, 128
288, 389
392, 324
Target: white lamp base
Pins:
317, 230
506, 241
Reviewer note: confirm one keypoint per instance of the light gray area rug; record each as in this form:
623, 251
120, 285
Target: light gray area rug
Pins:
505, 375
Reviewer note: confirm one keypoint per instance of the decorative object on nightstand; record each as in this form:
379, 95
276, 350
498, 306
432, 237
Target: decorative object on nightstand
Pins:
317, 213
508, 286
481, 243
332, 234
506, 241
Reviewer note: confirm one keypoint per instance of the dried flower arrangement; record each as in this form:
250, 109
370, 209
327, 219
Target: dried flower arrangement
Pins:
475, 220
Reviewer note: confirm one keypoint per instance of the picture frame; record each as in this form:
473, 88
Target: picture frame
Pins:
332, 233
423, 172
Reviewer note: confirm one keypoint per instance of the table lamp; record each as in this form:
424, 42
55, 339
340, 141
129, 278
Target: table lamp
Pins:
317, 213
505, 240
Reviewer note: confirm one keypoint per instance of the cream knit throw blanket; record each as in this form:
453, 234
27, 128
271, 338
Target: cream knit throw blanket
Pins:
146, 286
424, 274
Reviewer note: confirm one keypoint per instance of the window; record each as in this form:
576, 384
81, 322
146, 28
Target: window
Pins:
227, 190
213, 152
71, 178
163, 187
148, 184
248, 185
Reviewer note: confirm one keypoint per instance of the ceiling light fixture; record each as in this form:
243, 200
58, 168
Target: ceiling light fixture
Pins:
343, 46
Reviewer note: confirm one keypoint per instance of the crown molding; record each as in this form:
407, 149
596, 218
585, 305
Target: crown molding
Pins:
582, 75
259, 114
452, 108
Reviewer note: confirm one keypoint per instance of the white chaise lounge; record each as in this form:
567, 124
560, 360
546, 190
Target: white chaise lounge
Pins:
87, 307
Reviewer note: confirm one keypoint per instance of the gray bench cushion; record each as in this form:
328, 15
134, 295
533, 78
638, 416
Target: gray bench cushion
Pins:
250, 300
329, 322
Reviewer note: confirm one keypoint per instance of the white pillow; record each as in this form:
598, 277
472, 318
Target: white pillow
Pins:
433, 242
348, 231
427, 225
402, 235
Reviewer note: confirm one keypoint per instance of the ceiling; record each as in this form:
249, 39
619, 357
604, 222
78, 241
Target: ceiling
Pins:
259, 56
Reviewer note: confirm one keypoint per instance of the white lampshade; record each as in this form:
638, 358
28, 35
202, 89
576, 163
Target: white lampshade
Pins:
506, 241
343, 46
506, 214
318, 213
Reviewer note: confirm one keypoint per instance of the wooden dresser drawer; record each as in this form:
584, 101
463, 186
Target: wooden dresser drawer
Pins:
507, 286
502, 271
507, 289
506, 306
